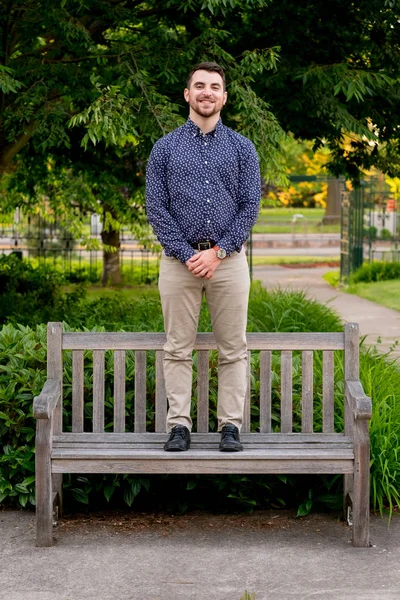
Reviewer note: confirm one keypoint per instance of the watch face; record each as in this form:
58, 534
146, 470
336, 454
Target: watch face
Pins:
221, 253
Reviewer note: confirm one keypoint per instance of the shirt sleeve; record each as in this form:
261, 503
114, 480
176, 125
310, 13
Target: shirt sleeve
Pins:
249, 201
157, 206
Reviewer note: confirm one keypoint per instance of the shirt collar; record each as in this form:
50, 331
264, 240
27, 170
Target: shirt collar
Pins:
194, 130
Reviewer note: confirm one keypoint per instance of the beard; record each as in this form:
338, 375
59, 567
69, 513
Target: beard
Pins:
211, 109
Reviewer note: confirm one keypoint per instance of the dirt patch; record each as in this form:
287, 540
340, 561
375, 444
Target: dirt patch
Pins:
119, 522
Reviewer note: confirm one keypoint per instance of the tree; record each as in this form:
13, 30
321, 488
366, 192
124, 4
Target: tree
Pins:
107, 75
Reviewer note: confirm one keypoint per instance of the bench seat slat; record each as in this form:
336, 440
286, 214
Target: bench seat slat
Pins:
272, 453
199, 446
255, 438
204, 341
195, 463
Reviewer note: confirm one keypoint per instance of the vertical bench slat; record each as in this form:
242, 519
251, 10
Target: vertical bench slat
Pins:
98, 391
265, 391
77, 391
202, 391
286, 391
55, 368
307, 392
328, 392
161, 395
119, 391
246, 412
140, 391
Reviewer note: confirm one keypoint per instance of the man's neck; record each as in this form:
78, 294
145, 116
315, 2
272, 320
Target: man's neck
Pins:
206, 124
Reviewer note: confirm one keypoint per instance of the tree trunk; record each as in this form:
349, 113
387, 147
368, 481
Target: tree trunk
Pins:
333, 204
111, 258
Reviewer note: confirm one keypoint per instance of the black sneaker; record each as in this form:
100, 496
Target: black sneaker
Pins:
179, 439
230, 441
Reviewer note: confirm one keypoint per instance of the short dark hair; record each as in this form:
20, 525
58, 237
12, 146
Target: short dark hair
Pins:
212, 67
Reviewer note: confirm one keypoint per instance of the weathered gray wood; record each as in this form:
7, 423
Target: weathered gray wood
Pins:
247, 403
359, 404
119, 391
77, 390
361, 485
215, 466
202, 438
140, 391
328, 417
98, 391
249, 446
45, 404
57, 487
202, 391
286, 392
265, 391
351, 372
307, 392
44, 492
161, 395
133, 453
204, 341
264, 452
55, 368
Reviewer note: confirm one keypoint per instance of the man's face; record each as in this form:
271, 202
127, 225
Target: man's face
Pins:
206, 95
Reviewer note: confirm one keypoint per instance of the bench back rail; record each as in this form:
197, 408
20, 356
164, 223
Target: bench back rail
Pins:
267, 344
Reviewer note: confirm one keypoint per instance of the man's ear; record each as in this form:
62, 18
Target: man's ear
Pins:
186, 94
225, 97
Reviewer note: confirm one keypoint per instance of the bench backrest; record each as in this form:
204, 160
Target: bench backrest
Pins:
272, 356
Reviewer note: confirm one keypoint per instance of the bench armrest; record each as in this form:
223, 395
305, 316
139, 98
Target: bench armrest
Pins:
359, 403
45, 403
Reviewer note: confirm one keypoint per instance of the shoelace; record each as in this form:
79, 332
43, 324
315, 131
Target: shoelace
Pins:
179, 432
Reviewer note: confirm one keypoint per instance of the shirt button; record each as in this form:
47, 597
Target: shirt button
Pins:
205, 162
208, 221
208, 201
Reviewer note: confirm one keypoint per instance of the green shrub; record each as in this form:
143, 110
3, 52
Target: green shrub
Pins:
376, 271
371, 233
30, 295
385, 234
23, 372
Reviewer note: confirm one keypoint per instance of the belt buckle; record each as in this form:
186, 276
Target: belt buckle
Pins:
204, 246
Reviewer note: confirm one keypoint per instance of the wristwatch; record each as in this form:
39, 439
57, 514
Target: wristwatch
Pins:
221, 253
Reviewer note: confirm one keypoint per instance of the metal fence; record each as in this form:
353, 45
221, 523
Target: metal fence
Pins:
41, 242
370, 225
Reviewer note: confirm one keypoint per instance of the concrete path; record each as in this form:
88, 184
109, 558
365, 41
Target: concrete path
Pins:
203, 557
376, 322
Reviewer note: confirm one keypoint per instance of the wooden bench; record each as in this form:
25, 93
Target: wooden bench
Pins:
319, 430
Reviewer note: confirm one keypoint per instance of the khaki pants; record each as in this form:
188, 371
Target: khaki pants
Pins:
227, 294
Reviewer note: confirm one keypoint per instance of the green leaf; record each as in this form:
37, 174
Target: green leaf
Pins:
108, 492
80, 495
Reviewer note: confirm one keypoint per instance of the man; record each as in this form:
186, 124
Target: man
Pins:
202, 198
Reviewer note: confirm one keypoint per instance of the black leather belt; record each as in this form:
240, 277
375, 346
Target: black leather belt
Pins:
204, 245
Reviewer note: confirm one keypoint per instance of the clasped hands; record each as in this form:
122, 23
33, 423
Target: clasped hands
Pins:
203, 263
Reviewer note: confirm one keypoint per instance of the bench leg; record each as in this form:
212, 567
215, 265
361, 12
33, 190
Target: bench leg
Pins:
361, 486
44, 493
348, 488
57, 482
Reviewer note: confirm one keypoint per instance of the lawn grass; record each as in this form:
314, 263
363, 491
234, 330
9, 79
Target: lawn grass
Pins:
293, 260
132, 292
279, 220
386, 293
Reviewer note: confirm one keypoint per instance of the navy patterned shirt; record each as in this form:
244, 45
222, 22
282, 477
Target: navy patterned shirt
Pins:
202, 187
